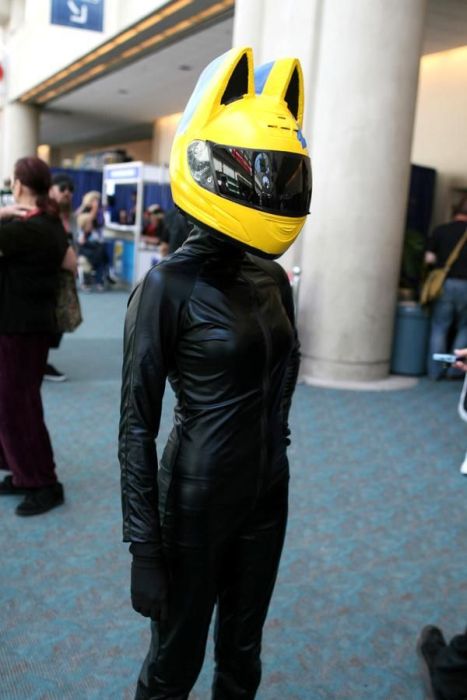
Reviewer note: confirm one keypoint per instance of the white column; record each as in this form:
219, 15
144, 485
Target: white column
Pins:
362, 131
278, 29
360, 61
20, 134
248, 24
5, 11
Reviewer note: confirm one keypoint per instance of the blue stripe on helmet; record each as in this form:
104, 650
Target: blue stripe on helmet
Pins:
200, 88
261, 75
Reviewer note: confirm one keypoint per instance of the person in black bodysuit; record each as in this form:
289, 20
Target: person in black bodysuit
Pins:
207, 526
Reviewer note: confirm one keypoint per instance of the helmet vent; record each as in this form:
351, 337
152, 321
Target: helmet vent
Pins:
238, 82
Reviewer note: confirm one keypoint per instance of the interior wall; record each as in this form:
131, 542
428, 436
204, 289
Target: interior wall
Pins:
30, 31
164, 130
155, 151
440, 133
138, 150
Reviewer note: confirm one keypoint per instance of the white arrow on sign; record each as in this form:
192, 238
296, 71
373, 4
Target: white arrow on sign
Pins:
78, 15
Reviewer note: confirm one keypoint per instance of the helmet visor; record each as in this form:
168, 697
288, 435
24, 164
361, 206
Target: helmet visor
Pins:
273, 181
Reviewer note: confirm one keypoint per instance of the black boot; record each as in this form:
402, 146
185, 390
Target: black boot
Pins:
430, 643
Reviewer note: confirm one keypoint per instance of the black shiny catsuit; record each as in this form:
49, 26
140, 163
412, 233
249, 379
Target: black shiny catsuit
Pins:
219, 324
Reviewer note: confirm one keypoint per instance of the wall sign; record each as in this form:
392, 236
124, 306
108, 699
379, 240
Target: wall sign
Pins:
81, 14
132, 172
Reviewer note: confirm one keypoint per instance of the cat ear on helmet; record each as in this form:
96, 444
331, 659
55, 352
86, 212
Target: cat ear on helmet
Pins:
229, 77
238, 78
283, 79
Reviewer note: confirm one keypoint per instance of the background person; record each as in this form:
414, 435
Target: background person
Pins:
62, 193
153, 229
449, 313
33, 249
208, 527
91, 240
123, 217
131, 214
6, 195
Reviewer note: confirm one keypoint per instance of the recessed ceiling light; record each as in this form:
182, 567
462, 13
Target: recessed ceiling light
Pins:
185, 67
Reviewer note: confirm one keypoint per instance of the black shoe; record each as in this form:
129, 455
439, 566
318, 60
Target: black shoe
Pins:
7, 488
41, 500
429, 644
53, 375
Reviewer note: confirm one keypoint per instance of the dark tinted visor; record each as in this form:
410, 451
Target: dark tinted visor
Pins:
268, 180
272, 181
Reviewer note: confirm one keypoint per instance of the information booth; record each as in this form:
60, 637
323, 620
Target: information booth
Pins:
128, 189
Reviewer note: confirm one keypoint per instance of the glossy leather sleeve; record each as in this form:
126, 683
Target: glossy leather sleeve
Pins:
149, 339
293, 366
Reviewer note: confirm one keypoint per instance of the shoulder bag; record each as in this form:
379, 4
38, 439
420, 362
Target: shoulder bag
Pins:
433, 285
68, 309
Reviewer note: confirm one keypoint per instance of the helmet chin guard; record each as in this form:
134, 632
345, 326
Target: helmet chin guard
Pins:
239, 162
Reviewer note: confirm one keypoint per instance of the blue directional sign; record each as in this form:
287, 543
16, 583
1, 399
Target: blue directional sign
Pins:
80, 14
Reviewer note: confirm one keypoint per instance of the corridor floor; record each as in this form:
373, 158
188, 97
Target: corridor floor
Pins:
375, 546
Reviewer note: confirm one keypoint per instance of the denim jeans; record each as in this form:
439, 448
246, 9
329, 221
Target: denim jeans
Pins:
449, 310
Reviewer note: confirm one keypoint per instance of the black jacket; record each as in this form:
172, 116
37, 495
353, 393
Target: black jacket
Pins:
31, 254
219, 323
442, 242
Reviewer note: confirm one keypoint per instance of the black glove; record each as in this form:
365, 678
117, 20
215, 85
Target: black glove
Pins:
149, 587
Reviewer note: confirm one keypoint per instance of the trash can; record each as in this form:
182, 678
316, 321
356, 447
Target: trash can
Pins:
411, 335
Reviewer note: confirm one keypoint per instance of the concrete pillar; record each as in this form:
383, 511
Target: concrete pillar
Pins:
4, 11
364, 112
20, 134
249, 23
277, 29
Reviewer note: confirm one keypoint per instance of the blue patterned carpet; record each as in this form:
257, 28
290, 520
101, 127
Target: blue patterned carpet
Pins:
375, 546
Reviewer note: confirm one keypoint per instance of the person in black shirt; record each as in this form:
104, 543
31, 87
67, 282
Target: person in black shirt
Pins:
33, 248
177, 229
62, 192
450, 309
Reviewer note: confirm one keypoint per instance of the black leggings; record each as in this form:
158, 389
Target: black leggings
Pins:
236, 570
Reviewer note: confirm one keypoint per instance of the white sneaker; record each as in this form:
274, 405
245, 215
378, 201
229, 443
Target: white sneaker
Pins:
463, 469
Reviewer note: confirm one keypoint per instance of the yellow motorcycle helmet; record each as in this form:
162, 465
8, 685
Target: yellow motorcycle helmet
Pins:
239, 163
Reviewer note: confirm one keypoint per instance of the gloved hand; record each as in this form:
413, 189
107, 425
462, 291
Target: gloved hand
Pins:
149, 587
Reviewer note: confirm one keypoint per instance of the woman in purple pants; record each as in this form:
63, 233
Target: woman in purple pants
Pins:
33, 248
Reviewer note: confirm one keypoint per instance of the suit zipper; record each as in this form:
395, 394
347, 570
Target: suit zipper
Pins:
265, 383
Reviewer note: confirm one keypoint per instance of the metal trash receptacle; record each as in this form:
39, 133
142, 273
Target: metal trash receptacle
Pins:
410, 343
